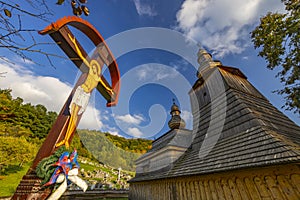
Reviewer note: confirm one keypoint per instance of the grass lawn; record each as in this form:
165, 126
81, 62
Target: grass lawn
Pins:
9, 183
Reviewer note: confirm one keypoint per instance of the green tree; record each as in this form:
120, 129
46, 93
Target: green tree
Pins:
15, 151
133, 145
278, 37
18, 118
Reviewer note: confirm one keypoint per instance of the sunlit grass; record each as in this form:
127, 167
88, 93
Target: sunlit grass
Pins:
9, 183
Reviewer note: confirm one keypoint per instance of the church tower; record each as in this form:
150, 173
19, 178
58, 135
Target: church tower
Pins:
242, 147
167, 148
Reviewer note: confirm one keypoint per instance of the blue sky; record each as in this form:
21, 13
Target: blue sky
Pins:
151, 77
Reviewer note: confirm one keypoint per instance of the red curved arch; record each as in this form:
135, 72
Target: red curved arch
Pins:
89, 30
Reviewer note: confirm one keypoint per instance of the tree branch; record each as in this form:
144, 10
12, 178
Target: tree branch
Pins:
41, 16
16, 32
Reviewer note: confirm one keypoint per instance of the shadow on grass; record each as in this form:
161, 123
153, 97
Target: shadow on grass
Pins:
10, 169
9, 183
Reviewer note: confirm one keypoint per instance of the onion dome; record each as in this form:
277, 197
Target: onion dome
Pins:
176, 122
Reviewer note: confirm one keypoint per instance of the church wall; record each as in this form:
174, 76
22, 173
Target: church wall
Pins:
276, 182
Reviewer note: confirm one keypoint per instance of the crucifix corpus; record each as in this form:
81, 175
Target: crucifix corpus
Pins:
65, 125
82, 93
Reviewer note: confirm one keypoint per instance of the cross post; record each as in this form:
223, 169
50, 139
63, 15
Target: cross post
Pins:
65, 125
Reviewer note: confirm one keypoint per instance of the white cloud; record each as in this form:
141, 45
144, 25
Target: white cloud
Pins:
143, 8
115, 133
105, 117
180, 65
112, 130
23, 61
188, 118
48, 91
223, 26
130, 119
135, 132
91, 119
142, 74
186, 115
156, 72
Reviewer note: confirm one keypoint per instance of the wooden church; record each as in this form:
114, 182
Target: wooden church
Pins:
241, 147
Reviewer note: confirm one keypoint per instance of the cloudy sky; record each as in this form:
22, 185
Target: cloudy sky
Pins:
152, 74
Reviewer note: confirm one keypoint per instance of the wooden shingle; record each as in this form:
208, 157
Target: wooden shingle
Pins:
254, 133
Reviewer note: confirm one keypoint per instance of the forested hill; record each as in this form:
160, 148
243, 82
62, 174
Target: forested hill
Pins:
104, 150
133, 145
19, 119
23, 128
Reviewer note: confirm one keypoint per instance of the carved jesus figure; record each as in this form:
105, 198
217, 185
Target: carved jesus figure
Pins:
82, 93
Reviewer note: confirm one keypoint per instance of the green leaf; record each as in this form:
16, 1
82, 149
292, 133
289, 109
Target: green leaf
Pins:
277, 38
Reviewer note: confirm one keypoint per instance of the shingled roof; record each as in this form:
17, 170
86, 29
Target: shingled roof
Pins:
254, 133
168, 139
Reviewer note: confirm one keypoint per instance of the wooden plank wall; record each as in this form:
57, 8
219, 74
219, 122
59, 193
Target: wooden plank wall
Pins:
269, 183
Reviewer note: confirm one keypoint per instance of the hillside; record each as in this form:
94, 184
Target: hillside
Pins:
104, 150
19, 119
23, 128
136, 145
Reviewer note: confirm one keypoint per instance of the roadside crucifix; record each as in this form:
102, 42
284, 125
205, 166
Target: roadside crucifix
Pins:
65, 125
82, 93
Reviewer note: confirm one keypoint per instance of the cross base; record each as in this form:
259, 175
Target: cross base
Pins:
30, 188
